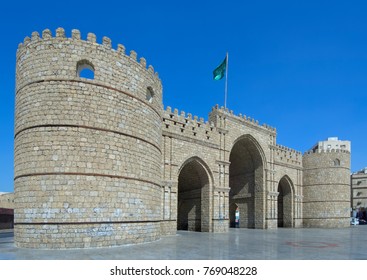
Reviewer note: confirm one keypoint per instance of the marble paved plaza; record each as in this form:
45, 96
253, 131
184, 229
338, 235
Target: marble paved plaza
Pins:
277, 244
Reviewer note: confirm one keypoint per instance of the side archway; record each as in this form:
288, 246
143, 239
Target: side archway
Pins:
285, 202
246, 182
193, 199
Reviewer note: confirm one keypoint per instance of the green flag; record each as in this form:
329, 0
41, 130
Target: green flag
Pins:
220, 71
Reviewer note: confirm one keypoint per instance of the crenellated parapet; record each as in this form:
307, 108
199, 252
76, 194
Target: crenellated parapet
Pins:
187, 125
217, 114
91, 38
47, 57
287, 155
330, 151
55, 62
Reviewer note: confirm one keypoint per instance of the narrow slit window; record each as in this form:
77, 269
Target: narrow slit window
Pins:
150, 94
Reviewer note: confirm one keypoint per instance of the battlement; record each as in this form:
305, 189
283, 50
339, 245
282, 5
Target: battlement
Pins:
187, 125
184, 117
62, 59
289, 150
287, 155
331, 151
246, 120
91, 38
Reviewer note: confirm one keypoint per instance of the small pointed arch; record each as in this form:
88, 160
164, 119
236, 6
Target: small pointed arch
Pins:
336, 162
285, 202
85, 69
288, 181
150, 94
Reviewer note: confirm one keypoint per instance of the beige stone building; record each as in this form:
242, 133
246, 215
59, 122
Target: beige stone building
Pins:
6, 210
359, 189
100, 162
7, 200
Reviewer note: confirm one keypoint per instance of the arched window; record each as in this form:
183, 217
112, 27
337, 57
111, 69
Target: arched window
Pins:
85, 69
150, 94
336, 162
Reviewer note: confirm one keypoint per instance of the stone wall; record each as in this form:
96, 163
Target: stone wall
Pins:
326, 189
88, 157
234, 142
98, 162
7, 200
190, 147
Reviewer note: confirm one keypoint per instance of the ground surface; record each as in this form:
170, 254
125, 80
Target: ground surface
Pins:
277, 244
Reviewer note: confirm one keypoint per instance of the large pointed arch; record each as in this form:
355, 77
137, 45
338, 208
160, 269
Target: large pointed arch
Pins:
193, 196
285, 203
247, 181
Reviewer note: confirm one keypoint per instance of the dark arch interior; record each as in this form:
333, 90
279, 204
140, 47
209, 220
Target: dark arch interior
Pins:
245, 179
284, 203
192, 183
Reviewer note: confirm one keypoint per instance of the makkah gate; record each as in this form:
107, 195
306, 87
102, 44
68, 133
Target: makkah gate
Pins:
99, 162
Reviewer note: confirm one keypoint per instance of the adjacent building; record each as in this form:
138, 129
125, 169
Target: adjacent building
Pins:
359, 190
6, 210
332, 143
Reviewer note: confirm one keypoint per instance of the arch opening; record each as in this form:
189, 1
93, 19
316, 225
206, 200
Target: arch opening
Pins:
193, 197
336, 162
85, 69
285, 203
246, 182
150, 94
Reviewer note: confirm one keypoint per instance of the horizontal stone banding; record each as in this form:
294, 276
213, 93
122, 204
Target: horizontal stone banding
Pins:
89, 223
88, 127
325, 218
94, 84
86, 174
325, 201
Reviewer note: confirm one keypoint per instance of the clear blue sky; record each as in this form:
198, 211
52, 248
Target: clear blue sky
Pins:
299, 66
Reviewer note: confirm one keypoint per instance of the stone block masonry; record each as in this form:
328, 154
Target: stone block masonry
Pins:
326, 188
87, 151
99, 162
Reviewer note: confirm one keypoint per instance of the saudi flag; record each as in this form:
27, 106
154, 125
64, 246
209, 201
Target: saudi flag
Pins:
220, 71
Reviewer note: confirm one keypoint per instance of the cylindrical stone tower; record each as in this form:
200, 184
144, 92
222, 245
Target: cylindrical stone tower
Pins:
88, 154
326, 189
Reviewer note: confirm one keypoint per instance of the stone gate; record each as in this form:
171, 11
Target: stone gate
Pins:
100, 162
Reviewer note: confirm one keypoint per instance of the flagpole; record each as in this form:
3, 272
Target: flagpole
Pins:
226, 83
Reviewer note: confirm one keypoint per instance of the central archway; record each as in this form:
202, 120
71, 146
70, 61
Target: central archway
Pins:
193, 201
246, 182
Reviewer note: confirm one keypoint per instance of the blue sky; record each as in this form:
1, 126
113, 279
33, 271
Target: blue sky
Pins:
299, 66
